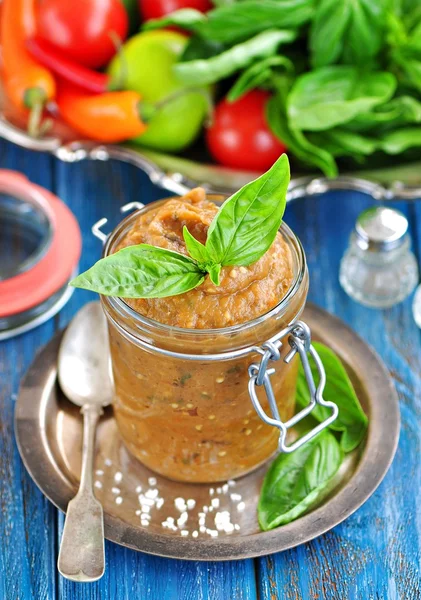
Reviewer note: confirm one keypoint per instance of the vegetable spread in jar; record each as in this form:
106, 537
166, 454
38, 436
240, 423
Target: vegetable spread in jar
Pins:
193, 420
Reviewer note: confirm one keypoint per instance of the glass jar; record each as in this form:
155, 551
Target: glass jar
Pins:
192, 419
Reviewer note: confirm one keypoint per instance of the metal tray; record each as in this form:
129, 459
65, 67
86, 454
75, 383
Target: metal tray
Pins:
179, 174
49, 436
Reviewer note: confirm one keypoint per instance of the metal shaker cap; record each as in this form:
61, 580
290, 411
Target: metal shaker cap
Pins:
381, 229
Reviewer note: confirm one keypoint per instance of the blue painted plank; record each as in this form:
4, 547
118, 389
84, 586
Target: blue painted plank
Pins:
28, 520
376, 552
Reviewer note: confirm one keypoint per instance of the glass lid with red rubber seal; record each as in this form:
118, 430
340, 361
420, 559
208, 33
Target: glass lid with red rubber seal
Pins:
40, 245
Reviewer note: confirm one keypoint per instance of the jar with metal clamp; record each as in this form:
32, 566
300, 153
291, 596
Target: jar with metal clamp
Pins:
207, 405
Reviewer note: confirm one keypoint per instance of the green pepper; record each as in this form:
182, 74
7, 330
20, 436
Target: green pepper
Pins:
145, 65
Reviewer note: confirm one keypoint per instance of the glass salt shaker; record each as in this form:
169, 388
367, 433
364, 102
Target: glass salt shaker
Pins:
379, 269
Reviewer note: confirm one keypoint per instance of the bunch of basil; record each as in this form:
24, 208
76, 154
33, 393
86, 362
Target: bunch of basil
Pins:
345, 76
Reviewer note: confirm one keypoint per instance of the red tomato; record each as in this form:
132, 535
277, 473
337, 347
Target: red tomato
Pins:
82, 29
239, 136
155, 9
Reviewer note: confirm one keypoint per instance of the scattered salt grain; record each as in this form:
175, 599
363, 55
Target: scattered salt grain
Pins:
237, 527
152, 481
225, 488
145, 508
138, 512
202, 529
191, 503
138, 489
235, 497
108, 462
98, 484
241, 506
99, 472
115, 490
119, 500
118, 477
180, 504
211, 491
219, 490
183, 519
195, 534
152, 493
144, 523
184, 533
231, 482
215, 502
159, 503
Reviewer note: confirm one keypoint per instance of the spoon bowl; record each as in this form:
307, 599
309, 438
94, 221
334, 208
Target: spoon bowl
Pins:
84, 367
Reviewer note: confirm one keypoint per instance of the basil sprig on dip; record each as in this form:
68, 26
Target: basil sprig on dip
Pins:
241, 232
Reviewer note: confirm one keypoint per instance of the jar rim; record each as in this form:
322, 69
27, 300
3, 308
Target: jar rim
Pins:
120, 306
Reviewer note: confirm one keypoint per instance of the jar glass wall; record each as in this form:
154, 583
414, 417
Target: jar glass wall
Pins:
193, 420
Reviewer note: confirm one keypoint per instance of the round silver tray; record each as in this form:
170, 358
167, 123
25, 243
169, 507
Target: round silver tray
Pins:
49, 436
178, 174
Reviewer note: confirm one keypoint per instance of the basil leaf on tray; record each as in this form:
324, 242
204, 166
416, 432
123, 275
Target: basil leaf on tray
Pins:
142, 271
352, 422
295, 482
334, 95
248, 221
206, 71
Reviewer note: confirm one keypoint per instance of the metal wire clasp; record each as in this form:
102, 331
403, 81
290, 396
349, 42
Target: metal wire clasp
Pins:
97, 227
299, 339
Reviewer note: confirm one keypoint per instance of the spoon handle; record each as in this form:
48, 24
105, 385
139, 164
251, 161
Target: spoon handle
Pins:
81, 556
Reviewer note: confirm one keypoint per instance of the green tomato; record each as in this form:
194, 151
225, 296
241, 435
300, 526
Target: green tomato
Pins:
146, 67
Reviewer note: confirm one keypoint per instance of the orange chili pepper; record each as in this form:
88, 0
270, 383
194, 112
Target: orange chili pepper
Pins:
109, 117
27, 84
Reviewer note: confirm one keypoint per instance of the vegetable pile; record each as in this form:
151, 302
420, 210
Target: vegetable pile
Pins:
328, 81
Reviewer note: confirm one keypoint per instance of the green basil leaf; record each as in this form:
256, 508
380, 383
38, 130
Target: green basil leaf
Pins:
296, 482
400, 140
195, 248
234, 23
206, 71
198, 47
398, 111
246, 224
214, 273
237, 22
351, 29
334, 95
340, 142
141, 271
351, 421
186, 18
295, 141
327, 31
256, 75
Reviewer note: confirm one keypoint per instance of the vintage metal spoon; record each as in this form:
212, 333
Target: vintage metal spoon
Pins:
84, 376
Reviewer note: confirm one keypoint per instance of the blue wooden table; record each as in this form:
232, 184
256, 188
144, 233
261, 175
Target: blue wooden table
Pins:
375, 554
